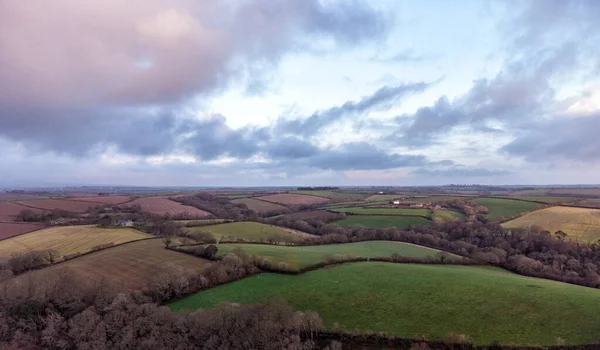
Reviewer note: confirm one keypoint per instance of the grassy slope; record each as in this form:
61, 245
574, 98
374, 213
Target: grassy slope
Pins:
548, 199
382, 221
251, 231
384, 211
326, 194
579, 223
407, 300
498, 207
68, 239
305, 256
447, 215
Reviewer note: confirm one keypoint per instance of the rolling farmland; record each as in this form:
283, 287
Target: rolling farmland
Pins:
595, 192
163, 206
581, 224
382, 221
384, 211
499, 207
9, 210
484, 303
547, 199
258, 205
444, 215
108, 200
14, 229
302, 256
293, 199
68, 239
62, 204
250, 231
129, 266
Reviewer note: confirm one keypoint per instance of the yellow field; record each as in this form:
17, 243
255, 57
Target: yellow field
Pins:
67, 239
129, 266
581, 224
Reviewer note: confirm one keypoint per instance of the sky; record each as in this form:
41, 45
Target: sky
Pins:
299, 92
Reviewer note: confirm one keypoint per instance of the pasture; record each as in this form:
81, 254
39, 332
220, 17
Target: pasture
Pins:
505, 208
384, 211
247, 230
165, 206
407, 300
382, 221
547, 199
9, 210
258, 205
302, 256
68, 239
445, 215
12, 229
383, 197
294, 199
312, 214
61, 204
127, 267
580, 224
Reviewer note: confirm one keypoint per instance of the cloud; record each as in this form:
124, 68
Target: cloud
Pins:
405, 56
383, 98
460, 171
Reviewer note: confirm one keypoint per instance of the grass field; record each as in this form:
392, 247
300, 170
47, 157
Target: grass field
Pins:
407, 300
581, 224
300, 257
498, 208
68, 239
326, 194
382, 197
258, 205
444, 215
384, 211
382, 221
435, 199
251, 231
129, 266
547, 199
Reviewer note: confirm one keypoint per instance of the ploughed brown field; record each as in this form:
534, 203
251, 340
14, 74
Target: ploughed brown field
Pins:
294, 199
18, 196
128, 266
313, 214
63, 204
9, 210
8, 230
162, 206
110, 200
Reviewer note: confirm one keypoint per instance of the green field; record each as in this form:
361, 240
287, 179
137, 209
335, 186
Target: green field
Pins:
250, 231
326, 194
443, 215
547, 199
384, 211
300, 257
499, 207
407, 300
383, 197
435, 199
382, 221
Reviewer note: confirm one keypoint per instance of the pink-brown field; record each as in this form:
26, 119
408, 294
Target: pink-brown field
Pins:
109, 200
18, 196
162, 206
14, 229
9, 210
64, 204
294, 199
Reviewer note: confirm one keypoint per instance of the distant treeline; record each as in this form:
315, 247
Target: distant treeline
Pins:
321, 188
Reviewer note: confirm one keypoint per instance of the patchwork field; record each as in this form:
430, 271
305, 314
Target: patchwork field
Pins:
163, 206
68, 239
547, 199
63, 204
294, 199
313, 214
581, 224
445, 215
258, 205
18, 196
382, 197
589, 202
384, 211
129, 266
499, 208
300, 257
14, 229
436, 199
247, 230
576, 191
9, 210
109, 200
406, 300
382, 221
326, 194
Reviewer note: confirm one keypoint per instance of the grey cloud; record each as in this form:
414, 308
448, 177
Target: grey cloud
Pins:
572, 139
405, 56
461, 172
383, 98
